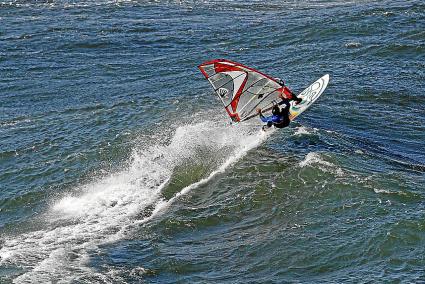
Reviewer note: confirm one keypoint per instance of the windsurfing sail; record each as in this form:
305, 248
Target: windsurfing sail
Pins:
241, 89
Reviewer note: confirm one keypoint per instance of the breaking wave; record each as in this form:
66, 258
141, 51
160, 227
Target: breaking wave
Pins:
319, 162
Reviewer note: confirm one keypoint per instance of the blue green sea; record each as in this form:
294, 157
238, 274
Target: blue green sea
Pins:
119, 165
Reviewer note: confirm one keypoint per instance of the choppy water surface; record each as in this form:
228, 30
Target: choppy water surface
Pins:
117, 165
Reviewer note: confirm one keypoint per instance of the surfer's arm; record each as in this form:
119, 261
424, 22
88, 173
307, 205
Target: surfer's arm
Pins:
293, 97
290, 92
262, 117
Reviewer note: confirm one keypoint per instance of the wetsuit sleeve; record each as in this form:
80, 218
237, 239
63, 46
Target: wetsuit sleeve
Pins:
290, 95
263, 118
295, 97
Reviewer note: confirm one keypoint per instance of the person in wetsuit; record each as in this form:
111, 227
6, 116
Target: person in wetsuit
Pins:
280, 116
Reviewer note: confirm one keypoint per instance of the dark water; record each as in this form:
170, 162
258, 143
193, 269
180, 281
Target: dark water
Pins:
117, 165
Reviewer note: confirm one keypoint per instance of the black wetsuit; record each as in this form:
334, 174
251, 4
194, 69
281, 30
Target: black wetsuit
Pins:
281, 119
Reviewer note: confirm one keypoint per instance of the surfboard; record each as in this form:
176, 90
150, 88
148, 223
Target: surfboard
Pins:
308, 96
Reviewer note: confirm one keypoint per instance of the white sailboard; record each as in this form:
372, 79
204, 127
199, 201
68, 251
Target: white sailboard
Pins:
308, 96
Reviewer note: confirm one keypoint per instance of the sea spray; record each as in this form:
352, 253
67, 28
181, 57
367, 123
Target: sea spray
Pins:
107, 209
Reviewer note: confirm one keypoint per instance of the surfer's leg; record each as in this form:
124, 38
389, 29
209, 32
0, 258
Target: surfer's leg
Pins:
283, 124
286, 119
268, 125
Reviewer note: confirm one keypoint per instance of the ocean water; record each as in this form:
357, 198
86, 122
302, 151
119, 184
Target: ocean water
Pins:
119, 165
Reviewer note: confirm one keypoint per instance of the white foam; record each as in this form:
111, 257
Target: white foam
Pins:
314, 159
302, 130
377, 190
242, 150
14, 122
353, 44
104, 210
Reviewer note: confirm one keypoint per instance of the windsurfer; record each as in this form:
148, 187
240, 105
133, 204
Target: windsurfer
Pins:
279, 117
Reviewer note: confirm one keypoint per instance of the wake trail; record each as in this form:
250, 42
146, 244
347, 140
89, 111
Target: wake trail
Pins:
162, 206
106, 210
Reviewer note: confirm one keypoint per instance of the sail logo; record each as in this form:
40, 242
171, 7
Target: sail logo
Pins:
223, 92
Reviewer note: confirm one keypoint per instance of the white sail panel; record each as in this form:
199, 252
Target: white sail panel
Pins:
241, 89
